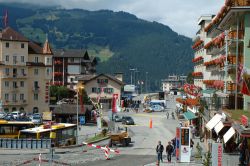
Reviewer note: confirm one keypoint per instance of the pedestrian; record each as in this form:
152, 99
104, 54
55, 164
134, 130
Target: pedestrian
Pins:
193, 132
169, 151
159, 150
191, 144
173, 115
246, 157
167, 115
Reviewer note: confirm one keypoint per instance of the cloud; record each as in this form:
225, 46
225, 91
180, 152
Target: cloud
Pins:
180, 15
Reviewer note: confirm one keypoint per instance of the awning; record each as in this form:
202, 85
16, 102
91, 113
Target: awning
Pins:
189, 115
213, 122
218, 127
228, 134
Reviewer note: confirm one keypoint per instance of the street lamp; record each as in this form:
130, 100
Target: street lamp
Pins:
78, 90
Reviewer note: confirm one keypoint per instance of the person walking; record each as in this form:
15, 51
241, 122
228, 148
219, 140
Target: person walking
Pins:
159, 150
167, 115
173, 115
169, 151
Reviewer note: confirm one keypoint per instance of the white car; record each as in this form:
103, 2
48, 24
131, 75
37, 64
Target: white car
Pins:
16, 114
156, 108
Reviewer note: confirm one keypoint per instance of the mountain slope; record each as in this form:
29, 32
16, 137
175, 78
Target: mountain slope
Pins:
120, 40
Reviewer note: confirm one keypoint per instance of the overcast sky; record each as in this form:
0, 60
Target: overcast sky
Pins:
180, 15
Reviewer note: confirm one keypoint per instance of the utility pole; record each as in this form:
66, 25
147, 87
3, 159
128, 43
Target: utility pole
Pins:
131, 76
237, 61
146, 83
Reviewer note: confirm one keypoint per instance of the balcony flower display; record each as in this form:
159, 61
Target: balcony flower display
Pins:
217, 61
197, 44
197, 59
197, 74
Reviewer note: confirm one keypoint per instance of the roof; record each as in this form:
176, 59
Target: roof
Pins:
11, 35
74, 53
35, 48
85, 78
189, 115
108, 76
46, 48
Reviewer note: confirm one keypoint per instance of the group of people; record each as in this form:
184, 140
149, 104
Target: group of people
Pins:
172, 114
160, 149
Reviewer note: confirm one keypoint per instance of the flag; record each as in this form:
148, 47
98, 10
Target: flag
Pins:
114, 103
5, 18
245, 89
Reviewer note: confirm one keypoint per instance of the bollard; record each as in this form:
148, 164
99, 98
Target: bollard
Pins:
150, 123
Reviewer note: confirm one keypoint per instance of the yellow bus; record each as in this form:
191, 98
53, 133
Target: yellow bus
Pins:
10, 129
62, 134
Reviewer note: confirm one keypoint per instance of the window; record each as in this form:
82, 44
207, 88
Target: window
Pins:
35, 71
71, 60
14, 72
35, 96
7, 58
47, 60
36, 59
102, 81
108, 90
6, 83
13, 97
48, 71
6, 96
21, 96
21, 83
7, 45
22, 45
14, 84
22, 58
7, 71
23, 72
14, 59
36, 84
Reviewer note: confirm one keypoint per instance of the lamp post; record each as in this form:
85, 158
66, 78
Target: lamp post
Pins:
77, 112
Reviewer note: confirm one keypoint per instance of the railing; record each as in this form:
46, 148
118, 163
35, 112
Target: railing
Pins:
25, 143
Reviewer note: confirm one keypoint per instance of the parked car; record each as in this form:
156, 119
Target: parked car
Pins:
9, 117
36, 119
2, 115
156, 108
117, 118
65, 101
127, 120
16, 114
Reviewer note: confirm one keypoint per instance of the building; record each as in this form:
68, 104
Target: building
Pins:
26, 71
70, 64
173, 82
102, 87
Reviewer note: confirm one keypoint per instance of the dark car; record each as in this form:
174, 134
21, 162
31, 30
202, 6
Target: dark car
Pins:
127, 120
117, 118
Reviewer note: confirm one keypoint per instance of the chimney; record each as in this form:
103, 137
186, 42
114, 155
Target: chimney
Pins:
119, 76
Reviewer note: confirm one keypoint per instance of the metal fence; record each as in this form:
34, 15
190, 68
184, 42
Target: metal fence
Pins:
25, 143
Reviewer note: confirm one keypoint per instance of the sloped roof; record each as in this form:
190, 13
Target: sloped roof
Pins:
74, 53
11, 35
46, 48
108, 76
34, 48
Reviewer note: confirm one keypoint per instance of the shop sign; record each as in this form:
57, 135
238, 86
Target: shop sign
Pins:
244, 120
217, 153
177, 151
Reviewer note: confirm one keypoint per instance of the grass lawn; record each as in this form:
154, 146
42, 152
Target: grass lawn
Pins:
97, 137
236, 114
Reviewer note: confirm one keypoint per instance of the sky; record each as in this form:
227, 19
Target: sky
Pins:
179, 15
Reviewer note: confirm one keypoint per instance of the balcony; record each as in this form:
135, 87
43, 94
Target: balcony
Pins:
58, 74
58, 62
14, 102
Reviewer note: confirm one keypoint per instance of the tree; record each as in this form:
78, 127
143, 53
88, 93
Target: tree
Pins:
190, 78
59, 92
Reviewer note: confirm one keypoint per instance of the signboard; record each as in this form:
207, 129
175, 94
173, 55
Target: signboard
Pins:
185, 151
82, 120
47, 115
244, 120
177, 139
217, 154
218, 127
129, 88
228, 134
